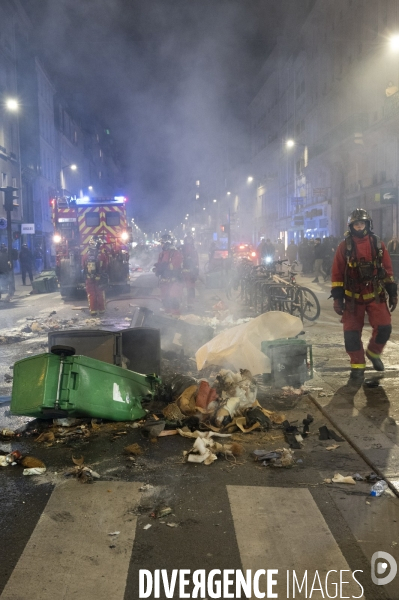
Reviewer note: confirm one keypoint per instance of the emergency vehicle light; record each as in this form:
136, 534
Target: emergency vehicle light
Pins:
124, 235
85, 200
56, 238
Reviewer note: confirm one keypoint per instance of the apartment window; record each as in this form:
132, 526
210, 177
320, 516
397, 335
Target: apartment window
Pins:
4, 180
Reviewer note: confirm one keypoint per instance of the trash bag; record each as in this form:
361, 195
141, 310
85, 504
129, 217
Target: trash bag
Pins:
256, 415
179, 383
240, 346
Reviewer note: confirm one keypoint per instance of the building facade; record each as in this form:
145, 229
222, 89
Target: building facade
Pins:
44, 138
325, 123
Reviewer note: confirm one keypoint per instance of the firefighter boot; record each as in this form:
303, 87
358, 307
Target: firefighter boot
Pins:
376, 361
356, 377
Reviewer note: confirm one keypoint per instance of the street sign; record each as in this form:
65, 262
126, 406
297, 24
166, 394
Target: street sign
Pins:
27, 228
3, 223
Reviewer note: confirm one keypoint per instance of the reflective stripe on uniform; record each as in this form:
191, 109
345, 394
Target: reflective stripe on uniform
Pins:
358, 366
373, 354
364, 296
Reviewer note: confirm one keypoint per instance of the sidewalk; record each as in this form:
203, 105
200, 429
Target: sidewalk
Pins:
366, 416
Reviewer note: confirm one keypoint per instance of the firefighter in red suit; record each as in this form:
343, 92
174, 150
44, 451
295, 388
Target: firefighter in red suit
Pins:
362, 281
169, 271
190, 268
95, 264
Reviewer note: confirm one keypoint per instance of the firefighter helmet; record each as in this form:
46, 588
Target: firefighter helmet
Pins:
167, 241
360, 214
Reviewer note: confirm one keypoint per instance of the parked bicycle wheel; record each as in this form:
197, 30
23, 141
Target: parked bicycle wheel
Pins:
234, 288
309, 302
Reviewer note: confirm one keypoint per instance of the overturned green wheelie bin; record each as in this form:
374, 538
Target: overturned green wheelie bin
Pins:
59, 384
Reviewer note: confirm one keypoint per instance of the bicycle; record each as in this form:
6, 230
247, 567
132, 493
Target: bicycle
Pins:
282, 292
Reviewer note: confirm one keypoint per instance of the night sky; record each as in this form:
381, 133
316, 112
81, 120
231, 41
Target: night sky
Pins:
168, 77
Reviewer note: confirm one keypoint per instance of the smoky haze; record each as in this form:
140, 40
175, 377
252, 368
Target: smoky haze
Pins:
170, 78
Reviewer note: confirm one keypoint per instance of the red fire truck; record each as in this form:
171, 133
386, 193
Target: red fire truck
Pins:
75, 221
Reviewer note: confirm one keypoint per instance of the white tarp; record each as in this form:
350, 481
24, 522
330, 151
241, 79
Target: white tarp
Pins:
240, 347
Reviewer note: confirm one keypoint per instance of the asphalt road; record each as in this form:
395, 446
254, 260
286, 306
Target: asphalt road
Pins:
231, 515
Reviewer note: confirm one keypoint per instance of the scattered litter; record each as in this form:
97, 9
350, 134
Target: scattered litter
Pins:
162, 512
82, 472
358, 477
338, 478
146, 487
152, 428
373, 477
114, 533
7, 433
379, 488
172, 524
46, 436
282, 457
30, 462
172, 412
288, 390
333, 447
329, 434
147, 526
34, 471
134, 449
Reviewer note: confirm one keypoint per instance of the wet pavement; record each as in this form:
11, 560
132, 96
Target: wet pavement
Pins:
206, 499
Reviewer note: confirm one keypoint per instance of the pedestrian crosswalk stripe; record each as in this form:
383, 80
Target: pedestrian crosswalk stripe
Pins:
69, 554
282, 528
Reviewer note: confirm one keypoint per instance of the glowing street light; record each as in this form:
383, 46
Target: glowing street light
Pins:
290, 143
394, 43
12, 104
229, 193
73, 167
250, 179
214, 200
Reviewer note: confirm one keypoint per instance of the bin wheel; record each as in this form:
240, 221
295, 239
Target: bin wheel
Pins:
63, 350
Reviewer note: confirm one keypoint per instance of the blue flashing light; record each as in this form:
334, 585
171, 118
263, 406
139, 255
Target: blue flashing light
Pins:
100, 200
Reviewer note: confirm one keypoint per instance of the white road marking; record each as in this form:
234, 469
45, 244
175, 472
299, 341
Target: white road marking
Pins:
68, 554
282, 528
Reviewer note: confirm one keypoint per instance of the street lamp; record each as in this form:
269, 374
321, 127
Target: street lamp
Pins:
12, 104
73, 167
394, 42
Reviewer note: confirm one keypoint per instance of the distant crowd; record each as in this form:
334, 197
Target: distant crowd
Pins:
315, 255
